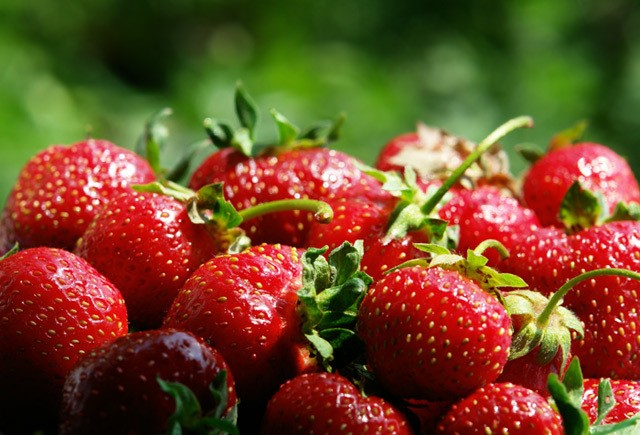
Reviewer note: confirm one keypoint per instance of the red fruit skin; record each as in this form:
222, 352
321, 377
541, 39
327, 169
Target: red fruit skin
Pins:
596, 166
54, 308
386, 160
607, 306
244, 305
358, 219
147, 246
61, 189
501, 408
115, 389
329, 403
527, 372
428, 414
625, 392
315, 173
487, 213
433, 334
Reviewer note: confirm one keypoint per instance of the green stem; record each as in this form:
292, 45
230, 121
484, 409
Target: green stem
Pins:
323, 212
555, 299
488, 142
492, 243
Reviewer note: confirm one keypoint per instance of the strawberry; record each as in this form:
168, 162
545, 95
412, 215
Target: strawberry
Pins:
136, 383
298, 166
61, 189
606, 305
434, 153
501, 408
596, 166
625, 403
265, 319
54, 308
146, 244
390, 228
484, 213
329, 403
432, 332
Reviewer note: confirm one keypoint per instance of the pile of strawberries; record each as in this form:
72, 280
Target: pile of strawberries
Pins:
290, 288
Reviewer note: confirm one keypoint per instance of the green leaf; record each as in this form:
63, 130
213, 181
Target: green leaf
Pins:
181, 169
246, 110
606, 401
242, 140
630, 426
331, 293
210, 207
529, 152
625, 212
187, 406
14, 249
219, 133
581, 208
568, 136
287, 132
567, 397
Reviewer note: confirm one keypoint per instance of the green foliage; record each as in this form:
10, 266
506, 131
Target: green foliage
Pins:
103, 67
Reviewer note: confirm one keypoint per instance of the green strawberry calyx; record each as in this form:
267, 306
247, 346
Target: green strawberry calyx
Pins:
188, 417
243, 138
415, 209
547, 325
473, 266
567, 396
582, 208
332, 289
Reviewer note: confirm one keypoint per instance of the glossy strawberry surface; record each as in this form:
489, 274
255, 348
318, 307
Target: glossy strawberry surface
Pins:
433, 334
54, 309
147, 246
244, 305
329, 403
61, 189
115, 389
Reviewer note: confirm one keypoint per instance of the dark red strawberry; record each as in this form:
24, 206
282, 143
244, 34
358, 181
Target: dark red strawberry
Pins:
54, 308
484, 213
435, 334
117, 388
625, 399
596, 166
61, 189
265, 319
329, 403
501, 408
147, 245
298, 166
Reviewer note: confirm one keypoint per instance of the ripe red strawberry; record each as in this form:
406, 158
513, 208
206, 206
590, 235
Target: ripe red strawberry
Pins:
61, 189
256, 309
54, 308
487, 213
147, 245
501, 408
606, 305
626, 394
298, 166
596, 166
433, 333
115, 389
329, 403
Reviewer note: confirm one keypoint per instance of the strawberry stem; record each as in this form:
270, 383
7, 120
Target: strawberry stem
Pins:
556, 298
323, 212
492, 243
488, 142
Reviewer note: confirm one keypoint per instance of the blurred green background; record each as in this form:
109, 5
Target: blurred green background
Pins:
102, 67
